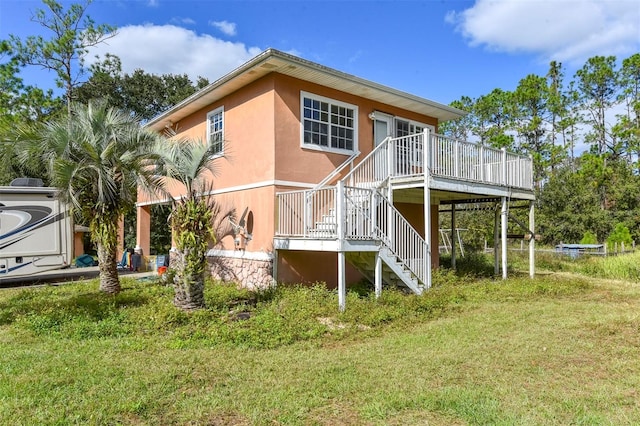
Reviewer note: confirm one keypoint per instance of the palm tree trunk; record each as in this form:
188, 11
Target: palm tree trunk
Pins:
188, 282
109, 282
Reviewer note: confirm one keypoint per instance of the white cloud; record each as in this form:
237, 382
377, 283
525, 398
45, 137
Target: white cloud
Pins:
168, 49
186, 21
228, 28
564, 30
153, 3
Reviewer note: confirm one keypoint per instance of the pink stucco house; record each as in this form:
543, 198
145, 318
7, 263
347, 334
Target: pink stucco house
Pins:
333, 173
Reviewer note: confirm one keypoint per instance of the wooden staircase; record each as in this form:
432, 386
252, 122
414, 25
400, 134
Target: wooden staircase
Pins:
394, 271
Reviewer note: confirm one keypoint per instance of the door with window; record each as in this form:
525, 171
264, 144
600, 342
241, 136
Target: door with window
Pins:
409, 146
382, 129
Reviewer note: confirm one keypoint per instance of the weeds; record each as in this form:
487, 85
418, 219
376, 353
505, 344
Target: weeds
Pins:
556, 349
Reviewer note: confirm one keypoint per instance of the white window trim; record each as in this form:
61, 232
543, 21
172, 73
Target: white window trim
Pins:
219, 110
415, 123
332, 102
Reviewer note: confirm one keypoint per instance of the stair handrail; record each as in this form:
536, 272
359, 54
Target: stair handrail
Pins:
337, 170
413, 252
365, 161
410, 250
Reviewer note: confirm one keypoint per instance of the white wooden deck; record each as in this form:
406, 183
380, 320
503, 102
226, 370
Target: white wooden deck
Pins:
355, 214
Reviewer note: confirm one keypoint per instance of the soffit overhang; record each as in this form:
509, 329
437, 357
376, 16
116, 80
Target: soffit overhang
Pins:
272, 60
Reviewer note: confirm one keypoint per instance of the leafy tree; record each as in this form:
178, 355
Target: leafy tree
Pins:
597, 86
72, 34
460, 128
627, 129
558, 105
147, 95
494, 119
554, 97
569, 123
619, 235
531, 103
188, 163
589, 238
98, 159
20, 104
568, 207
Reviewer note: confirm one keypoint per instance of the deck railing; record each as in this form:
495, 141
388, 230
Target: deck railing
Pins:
473, 162
446, 157
367, 215
400, 238
300, 211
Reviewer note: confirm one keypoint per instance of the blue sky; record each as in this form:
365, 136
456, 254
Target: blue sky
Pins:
437, 49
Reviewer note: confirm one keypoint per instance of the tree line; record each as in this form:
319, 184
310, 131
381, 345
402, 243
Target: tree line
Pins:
583, 135
71, 34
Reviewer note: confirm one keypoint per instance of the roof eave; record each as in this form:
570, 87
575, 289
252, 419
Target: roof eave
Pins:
272, 60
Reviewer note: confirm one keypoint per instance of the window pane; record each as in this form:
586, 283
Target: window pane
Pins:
328, 124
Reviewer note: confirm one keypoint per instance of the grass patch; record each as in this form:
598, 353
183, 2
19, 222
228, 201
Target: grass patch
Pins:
619, 267
559, 349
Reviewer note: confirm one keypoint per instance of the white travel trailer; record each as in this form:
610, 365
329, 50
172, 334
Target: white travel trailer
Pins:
36, 230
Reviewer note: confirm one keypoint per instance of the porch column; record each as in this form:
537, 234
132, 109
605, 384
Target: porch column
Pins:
532, 251
453, 236
342, 286
503, 241
340, 222
426, 171
427, 233
389, 225
378, 275
143, 229
496, 241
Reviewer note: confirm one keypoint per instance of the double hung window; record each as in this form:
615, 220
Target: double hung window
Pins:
328, 124
215, 130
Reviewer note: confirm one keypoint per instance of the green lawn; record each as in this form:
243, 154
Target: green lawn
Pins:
560, 349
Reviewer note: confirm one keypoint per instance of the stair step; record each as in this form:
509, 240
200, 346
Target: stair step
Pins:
325, 226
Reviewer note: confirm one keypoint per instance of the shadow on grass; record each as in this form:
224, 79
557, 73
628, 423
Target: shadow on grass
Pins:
91, 306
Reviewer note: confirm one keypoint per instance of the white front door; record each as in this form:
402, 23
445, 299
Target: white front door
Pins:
382, 127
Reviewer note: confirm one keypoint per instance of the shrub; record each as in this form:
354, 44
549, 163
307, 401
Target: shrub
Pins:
620, 234
589, 238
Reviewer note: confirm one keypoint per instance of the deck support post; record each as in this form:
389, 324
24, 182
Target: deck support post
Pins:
378, 275
340, 222
427, 205
342, 285
532, 249
496, 241
503, 238
453, 236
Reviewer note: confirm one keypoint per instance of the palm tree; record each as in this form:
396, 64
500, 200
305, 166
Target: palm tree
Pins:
195, 216
97, 158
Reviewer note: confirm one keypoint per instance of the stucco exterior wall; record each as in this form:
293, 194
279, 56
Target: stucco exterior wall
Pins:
294, 162
263, 155
307, 267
